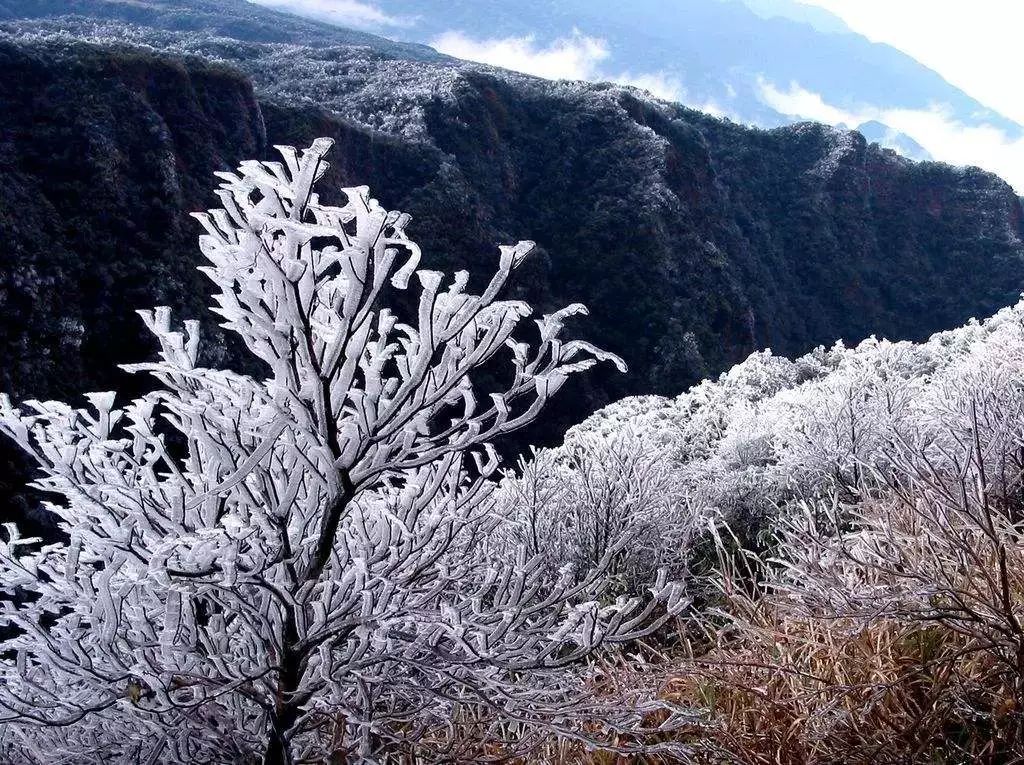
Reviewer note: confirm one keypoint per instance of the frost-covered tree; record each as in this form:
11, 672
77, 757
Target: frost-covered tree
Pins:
285, 568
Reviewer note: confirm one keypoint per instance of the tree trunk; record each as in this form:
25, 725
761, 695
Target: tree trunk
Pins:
287, 705
277, 751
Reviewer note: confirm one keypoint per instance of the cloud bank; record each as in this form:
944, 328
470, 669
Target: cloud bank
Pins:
348, 13
568, 58
935, 129
575, 57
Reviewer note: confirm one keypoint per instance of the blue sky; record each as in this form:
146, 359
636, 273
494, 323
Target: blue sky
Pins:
974, 44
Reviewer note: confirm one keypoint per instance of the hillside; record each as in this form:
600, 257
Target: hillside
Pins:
876, 494
694, 241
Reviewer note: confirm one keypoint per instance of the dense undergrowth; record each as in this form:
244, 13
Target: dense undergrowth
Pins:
854, 526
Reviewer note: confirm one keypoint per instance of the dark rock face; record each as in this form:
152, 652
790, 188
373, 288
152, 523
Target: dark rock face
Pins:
693, 241
102, 157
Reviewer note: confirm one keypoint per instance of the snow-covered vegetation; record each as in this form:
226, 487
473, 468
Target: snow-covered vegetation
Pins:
816, 560
860, 567
290, 568
772, 433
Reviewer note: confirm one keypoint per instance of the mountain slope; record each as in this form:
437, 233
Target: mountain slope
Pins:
693, 241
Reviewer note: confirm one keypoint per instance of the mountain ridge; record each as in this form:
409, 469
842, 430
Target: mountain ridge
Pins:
232, 18
490, 138
718, 50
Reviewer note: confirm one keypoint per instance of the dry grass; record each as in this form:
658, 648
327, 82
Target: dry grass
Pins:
785, 690
888, 631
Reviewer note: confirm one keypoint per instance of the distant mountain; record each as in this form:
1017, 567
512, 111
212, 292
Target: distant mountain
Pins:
819, 18
879, 133
233, 19
724, 56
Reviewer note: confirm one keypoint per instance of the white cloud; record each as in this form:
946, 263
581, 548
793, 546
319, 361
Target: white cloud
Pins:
935, 129
658, 84
715, 110
576, 57
568, 58
802, 103
975, 45
348, 13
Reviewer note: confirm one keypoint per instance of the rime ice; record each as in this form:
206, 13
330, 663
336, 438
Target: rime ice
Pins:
286, 568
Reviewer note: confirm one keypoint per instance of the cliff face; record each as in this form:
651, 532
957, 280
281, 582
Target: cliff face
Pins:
693, 241
102, 155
